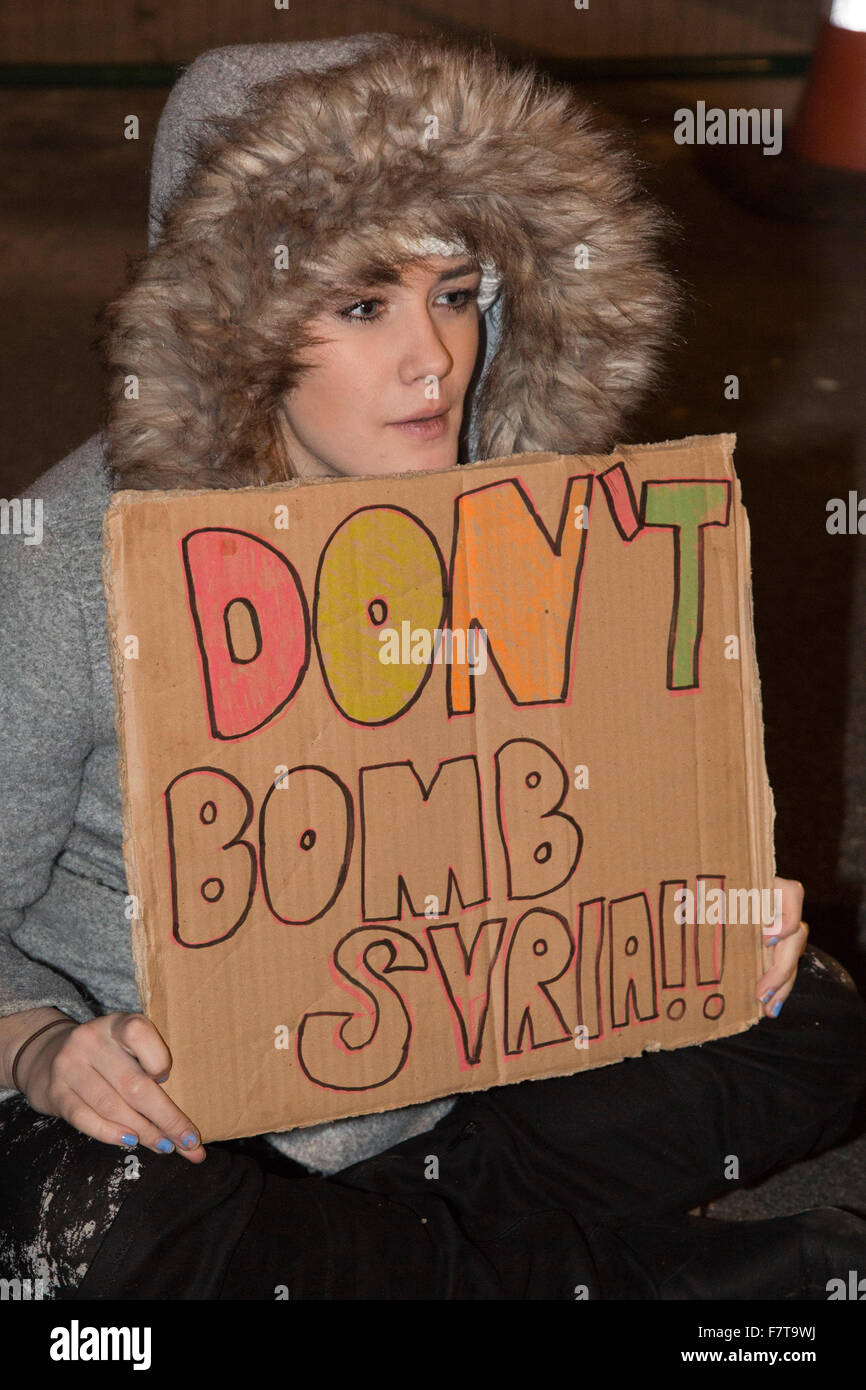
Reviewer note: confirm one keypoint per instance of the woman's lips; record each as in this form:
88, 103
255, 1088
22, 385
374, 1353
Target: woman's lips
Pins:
431, 428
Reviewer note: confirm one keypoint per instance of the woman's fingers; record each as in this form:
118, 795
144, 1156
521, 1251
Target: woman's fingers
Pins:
784, 943
161, 1123
83, 1117
776, 983
126, 1107
788, 897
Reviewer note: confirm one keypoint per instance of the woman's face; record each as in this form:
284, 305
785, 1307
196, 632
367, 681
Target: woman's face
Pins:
404, 351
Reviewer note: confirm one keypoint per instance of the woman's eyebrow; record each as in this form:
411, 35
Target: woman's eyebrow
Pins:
459, 270
362, 279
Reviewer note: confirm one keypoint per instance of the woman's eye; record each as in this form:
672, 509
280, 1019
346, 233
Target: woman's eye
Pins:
350, 313
464, 298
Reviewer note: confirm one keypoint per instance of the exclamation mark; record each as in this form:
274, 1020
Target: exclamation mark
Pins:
673, 915
710, 939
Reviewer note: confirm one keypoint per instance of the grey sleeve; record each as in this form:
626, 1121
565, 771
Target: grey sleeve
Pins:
46, 733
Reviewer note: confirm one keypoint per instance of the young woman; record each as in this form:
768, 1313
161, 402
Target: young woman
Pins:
412, 259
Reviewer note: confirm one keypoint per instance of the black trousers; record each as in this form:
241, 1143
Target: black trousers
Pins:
522, 1192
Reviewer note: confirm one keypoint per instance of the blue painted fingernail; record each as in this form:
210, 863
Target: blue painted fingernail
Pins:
768, 995
160, 1079
772, 941
165, 1146
776, 1007
189, 1141
129, 1139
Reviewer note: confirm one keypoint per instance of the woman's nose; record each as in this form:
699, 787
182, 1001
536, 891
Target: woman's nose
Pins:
425, 354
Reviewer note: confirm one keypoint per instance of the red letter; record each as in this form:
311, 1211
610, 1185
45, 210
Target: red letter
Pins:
252, 626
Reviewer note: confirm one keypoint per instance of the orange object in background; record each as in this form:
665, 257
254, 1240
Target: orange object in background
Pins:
830, 126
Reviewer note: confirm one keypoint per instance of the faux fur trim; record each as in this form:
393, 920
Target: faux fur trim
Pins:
335, 166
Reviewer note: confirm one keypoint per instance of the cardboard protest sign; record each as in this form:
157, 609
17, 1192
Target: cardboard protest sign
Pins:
439, 781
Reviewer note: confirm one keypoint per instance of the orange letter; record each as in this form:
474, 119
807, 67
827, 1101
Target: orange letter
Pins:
509, 578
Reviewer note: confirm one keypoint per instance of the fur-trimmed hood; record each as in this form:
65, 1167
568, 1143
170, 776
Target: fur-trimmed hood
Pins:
412, 139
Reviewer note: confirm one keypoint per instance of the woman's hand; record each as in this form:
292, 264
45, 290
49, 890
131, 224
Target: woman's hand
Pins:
790, 935
100, 1076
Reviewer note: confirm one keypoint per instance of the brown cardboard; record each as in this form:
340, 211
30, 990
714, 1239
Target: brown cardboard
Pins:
292, 992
